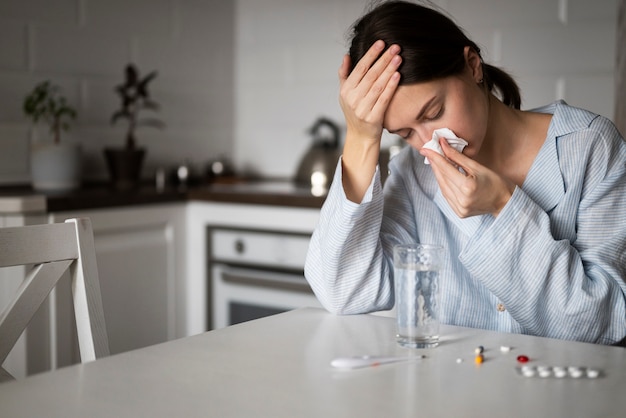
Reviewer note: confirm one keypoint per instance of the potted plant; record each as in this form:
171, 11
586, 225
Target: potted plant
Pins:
54, 165
125, 163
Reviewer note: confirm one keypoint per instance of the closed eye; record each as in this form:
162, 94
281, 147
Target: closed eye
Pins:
435, 116
407, 135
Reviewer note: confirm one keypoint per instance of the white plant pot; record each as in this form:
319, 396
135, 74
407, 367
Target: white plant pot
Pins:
55, 167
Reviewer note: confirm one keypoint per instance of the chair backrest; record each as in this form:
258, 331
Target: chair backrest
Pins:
52, 249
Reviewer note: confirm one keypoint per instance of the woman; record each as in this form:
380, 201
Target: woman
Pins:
531, 213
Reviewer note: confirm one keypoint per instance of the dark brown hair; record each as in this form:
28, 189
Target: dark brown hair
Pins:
431, 46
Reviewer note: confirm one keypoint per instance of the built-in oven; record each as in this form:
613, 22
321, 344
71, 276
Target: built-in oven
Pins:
255, 273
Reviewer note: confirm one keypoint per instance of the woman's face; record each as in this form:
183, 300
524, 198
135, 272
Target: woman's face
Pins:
458, 103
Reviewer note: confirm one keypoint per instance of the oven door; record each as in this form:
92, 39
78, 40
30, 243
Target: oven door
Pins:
241, 294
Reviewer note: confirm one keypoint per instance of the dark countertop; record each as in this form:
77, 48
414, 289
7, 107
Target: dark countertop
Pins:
277, 193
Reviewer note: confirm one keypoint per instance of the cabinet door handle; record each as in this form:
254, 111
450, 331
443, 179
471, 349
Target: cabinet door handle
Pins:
239, 246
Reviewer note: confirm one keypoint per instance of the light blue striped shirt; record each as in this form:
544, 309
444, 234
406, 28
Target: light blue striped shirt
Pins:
555, 257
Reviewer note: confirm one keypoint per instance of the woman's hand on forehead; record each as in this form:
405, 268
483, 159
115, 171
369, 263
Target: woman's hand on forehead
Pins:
366, 92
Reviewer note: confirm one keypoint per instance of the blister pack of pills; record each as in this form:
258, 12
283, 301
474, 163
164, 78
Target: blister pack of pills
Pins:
559, 372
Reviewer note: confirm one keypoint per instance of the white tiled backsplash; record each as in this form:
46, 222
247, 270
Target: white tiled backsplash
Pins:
246, 78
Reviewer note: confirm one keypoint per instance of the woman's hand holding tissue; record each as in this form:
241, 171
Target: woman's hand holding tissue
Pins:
474, 191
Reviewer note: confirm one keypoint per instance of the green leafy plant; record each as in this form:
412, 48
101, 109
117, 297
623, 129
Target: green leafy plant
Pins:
45, 103
135, 98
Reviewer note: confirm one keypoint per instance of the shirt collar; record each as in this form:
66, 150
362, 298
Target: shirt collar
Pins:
566, 119
544, 182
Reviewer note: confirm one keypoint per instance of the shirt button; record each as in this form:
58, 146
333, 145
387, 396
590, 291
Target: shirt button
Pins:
500, 307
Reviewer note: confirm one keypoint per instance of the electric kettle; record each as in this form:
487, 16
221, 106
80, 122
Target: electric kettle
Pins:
317, 166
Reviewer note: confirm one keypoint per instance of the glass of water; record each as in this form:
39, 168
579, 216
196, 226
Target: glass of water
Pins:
416, 277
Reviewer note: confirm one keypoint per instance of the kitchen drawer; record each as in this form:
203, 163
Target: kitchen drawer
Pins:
259, 248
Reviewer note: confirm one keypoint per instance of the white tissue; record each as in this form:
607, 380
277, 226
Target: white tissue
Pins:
453, 140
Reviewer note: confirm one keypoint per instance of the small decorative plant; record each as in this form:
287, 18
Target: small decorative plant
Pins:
135, 98
46, 103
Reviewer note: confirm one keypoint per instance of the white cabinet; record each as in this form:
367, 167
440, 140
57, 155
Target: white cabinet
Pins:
140, 256
152, 266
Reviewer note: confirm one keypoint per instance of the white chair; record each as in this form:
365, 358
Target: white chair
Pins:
52, 249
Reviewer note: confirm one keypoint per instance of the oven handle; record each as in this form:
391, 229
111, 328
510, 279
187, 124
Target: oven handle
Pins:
266, 283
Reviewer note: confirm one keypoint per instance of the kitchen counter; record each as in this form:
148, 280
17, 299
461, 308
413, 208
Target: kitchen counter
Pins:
276, 193
26, 200
14, 200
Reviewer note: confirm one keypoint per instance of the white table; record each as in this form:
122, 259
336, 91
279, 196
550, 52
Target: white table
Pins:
280, 367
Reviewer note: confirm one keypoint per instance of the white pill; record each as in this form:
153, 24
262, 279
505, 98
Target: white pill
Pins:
528, 371
559, 372
593, 373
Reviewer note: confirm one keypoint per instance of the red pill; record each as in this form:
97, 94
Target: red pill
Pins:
522, 359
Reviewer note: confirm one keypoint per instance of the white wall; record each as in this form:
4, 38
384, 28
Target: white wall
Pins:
84, 45
246, 78
620, 69
288, 53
